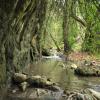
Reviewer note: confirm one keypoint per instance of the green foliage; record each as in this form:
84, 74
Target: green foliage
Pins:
90, 15
52, 28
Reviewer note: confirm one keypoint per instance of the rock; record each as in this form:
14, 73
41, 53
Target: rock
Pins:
74, 66
24, 85
36, 77
80, 96
63, 66
88, 97
87, 63
19, 78
45, 52
14, 91
34, 81
95, 93
88, 71
40, 82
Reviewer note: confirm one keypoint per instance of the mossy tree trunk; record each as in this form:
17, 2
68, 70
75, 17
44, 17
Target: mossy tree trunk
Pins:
66, 19
20, 20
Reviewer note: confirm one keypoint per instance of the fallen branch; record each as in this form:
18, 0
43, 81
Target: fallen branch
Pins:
79, 20
55, 42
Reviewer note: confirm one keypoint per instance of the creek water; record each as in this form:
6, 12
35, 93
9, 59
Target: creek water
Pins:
59, 71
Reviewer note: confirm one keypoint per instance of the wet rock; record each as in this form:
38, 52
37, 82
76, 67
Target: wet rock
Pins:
88, 97
19, 78
14, 91
73, 66
41, 82
88, 69
23, 86
80, 96
63, 66
45, 52
95, 93
92, 63
34, 81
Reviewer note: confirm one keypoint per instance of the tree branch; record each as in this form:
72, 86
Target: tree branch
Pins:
79, 20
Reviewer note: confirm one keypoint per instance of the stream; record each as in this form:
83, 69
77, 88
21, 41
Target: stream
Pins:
58, 70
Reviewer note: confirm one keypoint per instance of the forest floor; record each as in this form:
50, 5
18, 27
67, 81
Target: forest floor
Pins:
80, 56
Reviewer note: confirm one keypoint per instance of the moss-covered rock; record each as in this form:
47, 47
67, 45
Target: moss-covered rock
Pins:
88, 71
18, 77
46, 52
34, 81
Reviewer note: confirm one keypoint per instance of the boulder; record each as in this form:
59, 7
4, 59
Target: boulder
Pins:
19, 77
34, 81
88, 71
41, 82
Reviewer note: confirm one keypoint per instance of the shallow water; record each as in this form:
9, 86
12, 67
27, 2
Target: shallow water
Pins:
58, 71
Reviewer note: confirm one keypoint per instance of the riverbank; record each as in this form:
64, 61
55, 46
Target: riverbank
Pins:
80, 56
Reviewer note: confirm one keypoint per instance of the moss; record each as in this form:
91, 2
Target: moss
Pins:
88, 71
2, 75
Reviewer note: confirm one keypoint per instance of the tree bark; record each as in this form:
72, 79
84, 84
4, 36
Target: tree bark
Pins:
19, 21
66, 18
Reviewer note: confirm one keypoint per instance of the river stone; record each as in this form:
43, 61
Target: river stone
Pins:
18, 77
80, 96
74, 66
88, 97
24, 85
36, 80
88, 71
95, 93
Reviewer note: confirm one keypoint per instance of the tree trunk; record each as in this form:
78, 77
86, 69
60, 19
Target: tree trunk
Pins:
19, 21
66, 18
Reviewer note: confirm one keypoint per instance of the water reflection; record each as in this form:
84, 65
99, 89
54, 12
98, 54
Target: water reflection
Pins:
65, 77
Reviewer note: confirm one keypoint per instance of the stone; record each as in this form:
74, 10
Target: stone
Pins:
24, 85
87, 71
74, 66
18, 77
